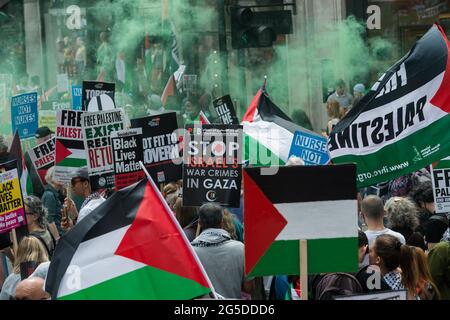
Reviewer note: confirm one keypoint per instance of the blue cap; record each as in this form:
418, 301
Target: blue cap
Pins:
359, 88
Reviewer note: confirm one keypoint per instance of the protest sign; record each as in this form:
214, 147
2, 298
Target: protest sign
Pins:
24, 114
127, 152
43, 157
225, 109
311, 148
440, 177
212, 169
47, 114
160, 146
12, 213
94, 89
76, 97
70, 153
97, 128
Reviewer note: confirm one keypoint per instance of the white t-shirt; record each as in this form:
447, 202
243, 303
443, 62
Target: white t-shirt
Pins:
372, 235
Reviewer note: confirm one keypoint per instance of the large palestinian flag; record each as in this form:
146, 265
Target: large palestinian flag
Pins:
130, 247
268, 132
402, 124
313, 203
70, 152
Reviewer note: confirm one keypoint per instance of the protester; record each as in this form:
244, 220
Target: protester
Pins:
43, 134
31, 289
37, 223
30, 249
222, 257
155, 105
191, 110
402, 218
434, 230
51, 199
373, 212
426, 289
359, 91
334, 115
341, 96
81, 187
439, 263
5, 156
397, 263
187, 217
422, 195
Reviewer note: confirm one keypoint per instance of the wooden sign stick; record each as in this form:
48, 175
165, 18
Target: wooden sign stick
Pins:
303, 245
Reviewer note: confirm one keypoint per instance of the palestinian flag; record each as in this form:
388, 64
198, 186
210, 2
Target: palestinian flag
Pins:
70, 152
203, 118
130, 247
402, 124
313, 203
16, 151
268, 132
42, 157
169, 90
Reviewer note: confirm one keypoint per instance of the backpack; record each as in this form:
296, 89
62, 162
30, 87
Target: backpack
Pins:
336, 284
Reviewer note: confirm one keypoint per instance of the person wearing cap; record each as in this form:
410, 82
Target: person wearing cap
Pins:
5, 156
43, 134
358, 91
81, 187
51, 199
340, 95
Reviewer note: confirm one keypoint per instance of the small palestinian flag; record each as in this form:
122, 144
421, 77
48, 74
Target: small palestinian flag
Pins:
70, 152
268, 132
130, 247
313, 203
402, 124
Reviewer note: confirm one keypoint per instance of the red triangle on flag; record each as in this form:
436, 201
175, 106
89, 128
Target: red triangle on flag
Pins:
155, 240
61, 152
262, 221
169, 90
253, 107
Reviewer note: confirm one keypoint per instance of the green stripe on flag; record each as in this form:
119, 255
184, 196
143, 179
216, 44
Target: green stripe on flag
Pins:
324, 255
409, 154
147, 283
73, 162
258, 155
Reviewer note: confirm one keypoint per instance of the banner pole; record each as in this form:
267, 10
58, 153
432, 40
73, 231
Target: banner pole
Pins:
303, 245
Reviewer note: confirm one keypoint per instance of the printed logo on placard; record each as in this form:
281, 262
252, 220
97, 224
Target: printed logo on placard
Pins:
102, 182
161, 177
154, 122
211, 195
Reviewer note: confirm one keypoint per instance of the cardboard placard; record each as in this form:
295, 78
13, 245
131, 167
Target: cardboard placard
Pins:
160, 146
24, 114
311, 148
127, 152
97, 128
212, 170
225, 109
94, 89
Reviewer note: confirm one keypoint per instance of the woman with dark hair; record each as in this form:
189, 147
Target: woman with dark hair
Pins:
397, 263
422, 195
37, 223
187, 218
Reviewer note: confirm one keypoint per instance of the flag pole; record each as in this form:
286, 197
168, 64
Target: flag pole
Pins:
172, 217
303, 245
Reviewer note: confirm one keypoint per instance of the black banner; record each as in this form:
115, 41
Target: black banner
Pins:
225, 109
212, 168
127, 152
93, 89
160, 146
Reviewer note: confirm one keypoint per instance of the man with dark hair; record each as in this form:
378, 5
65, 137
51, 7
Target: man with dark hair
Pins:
81, 187
341, 96
222, 257
372, 210
434, 230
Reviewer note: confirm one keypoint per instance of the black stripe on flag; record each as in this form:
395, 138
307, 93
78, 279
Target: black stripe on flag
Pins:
72, 144
426, 60
270, 112
116, 212
307, 183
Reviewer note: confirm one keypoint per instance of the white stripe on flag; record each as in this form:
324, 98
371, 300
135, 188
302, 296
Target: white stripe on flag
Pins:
95, 262
272, 136
319, 220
